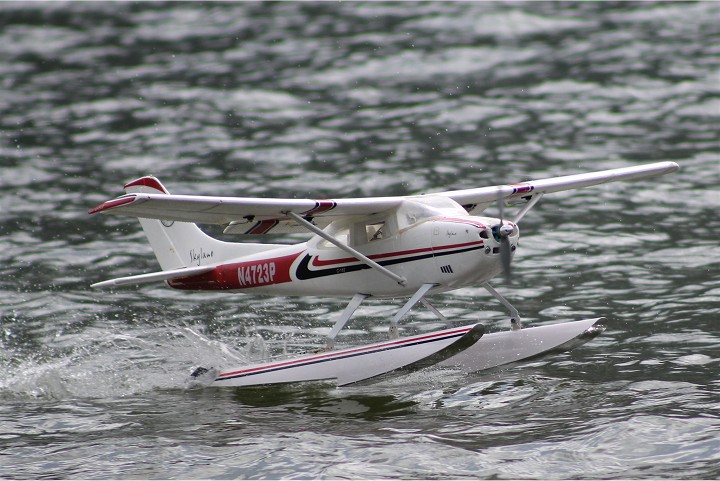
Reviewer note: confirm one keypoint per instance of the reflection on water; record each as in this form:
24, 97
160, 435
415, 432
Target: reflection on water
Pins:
319, 100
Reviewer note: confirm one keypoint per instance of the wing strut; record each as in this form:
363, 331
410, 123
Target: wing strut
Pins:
531, 203
353, 252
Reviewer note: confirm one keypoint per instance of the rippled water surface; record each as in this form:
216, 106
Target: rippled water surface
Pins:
359, 99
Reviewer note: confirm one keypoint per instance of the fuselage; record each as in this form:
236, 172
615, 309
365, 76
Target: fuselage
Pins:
451, 251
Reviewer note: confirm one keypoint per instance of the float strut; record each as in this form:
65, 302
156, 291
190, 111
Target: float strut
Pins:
343, 319
515, 323
393, 331
434, 310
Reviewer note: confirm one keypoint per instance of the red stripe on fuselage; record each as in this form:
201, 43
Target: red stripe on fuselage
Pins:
240, 275
317, 262
457, 220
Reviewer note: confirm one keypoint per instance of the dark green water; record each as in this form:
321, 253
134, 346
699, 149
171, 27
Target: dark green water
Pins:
359, 99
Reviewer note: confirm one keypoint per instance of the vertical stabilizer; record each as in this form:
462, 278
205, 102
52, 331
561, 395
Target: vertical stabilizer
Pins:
180, 244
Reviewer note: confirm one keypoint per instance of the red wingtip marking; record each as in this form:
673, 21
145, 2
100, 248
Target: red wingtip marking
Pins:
112, 203
148, 181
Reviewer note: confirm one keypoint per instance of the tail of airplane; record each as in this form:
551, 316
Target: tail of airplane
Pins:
176, 244
181, 248
182, 244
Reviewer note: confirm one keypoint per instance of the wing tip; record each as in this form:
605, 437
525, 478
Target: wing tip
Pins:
659, 168
100, 285
673, 167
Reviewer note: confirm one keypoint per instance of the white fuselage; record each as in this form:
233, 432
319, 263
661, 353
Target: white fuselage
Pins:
449, 251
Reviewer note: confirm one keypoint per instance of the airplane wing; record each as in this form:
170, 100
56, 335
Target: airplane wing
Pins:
476, 200
261, 215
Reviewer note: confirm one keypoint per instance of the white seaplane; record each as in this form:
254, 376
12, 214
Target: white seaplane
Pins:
383, 247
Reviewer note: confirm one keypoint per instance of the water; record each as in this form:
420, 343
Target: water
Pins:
356, 99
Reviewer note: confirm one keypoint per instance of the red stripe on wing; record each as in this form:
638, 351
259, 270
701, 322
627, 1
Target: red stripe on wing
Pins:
321, 206
262, 227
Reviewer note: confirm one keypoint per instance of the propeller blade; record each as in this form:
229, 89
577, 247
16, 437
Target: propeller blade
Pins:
505, 257
504, 241
500, 206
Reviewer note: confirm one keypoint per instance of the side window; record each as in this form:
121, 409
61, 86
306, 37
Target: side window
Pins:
360, 232
369, 231
375, 231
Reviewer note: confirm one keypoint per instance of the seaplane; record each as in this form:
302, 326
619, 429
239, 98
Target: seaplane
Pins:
409, 247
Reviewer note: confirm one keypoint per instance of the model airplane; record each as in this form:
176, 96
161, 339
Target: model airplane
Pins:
383, 247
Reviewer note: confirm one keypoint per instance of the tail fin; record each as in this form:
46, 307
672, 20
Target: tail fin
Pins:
180, 244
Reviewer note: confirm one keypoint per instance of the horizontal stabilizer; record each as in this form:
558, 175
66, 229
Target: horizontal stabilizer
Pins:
155, 276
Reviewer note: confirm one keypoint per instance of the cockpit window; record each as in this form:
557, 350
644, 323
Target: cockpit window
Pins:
359, 232
425, 207
412, 212
442, 204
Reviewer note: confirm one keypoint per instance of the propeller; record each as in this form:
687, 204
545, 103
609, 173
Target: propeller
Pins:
503, 232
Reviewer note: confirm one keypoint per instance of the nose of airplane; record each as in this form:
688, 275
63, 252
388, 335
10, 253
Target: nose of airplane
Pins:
506, 230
